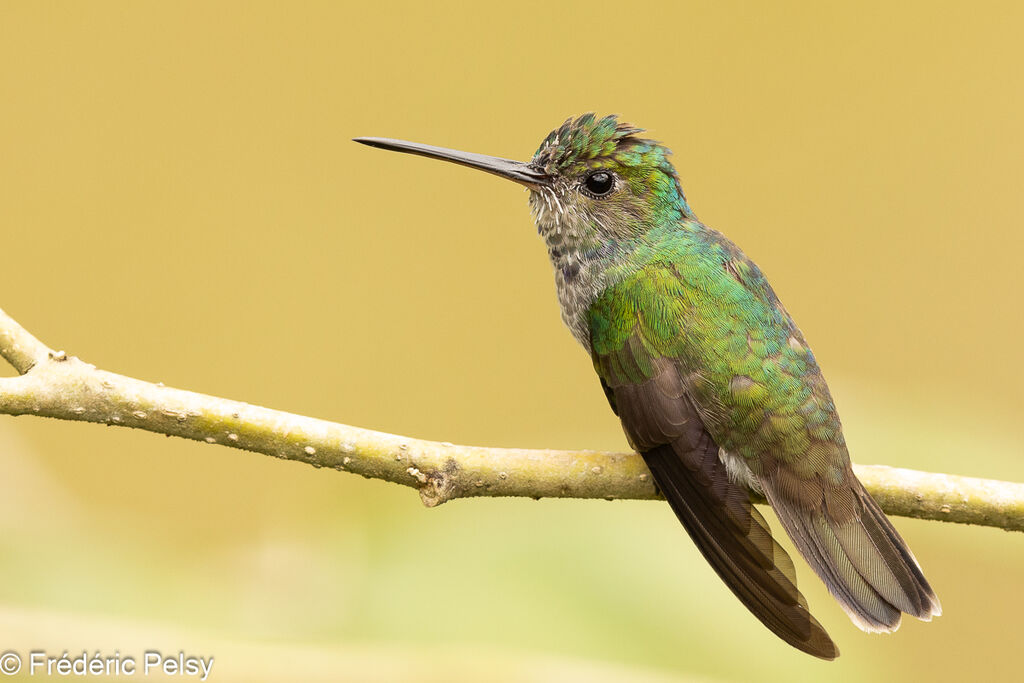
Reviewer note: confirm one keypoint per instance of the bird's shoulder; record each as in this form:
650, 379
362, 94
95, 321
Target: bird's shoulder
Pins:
686, 290
703, 309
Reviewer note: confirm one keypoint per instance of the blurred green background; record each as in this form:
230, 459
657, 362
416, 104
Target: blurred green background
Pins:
181, 202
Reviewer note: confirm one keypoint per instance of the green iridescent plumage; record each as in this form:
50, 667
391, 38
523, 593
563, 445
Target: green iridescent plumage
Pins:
714, 384
698, 300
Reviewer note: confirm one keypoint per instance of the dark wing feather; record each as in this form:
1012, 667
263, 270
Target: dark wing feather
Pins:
694, 357
664, 425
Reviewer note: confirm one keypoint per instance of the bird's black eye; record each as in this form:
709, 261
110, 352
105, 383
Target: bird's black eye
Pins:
599, 183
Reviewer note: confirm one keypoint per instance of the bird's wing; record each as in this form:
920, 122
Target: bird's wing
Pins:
648, 392
747, 375
778, 413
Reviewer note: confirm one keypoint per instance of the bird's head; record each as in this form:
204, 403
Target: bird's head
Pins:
604, 180
592, 181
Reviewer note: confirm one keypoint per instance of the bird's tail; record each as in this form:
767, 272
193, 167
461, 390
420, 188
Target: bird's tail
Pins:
861, 558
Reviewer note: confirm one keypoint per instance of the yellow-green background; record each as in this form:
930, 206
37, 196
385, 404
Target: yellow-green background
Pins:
180, 201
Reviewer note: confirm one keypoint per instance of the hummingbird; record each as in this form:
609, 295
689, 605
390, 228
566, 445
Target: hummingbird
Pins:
715, 385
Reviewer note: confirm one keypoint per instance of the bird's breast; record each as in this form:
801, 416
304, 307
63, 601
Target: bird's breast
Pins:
578, 281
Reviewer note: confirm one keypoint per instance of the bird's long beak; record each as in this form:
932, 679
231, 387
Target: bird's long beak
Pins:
518, 171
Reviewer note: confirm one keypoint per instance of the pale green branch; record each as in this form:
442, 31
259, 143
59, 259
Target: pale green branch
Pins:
20, 348
58, 386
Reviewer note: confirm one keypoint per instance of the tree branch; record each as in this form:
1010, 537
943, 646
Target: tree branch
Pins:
20, 348
52, 384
